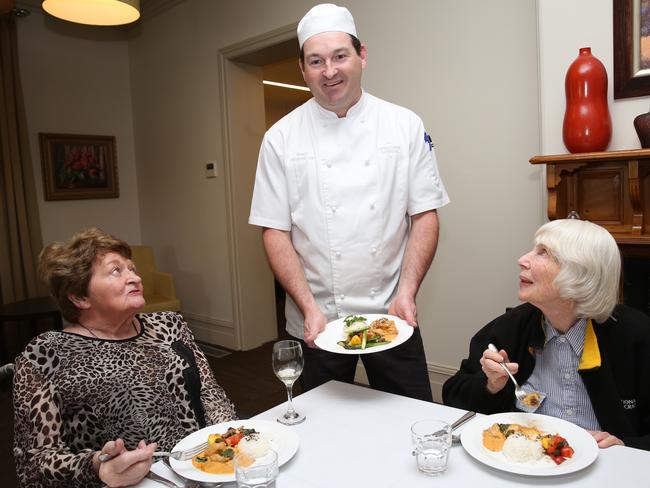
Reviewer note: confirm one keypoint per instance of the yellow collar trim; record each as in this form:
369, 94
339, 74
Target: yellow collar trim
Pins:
590, 352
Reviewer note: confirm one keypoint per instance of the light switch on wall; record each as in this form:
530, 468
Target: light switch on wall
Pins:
211, 169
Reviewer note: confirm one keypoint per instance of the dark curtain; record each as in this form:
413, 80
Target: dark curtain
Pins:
20, 230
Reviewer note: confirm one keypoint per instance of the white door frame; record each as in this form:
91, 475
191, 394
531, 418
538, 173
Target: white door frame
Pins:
225, 56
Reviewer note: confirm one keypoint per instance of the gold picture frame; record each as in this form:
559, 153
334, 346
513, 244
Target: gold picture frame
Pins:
77, 167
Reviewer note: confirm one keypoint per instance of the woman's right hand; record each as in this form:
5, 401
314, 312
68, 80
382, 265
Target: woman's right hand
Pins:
125, 467
496, 376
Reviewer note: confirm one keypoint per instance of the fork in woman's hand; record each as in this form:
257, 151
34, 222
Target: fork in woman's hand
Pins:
519, 393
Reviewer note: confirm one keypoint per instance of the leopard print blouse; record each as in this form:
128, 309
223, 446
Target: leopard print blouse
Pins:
72, 394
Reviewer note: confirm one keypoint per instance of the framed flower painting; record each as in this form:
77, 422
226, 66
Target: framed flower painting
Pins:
78, 166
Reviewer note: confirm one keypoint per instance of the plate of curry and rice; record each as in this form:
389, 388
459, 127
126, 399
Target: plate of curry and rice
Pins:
529, 444
364, 334
252, 437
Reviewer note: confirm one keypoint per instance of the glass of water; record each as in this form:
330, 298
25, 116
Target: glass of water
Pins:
431, 442
287, 365
260, 472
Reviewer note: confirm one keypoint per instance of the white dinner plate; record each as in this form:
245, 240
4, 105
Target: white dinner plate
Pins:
583, 444
282, 439
333, 333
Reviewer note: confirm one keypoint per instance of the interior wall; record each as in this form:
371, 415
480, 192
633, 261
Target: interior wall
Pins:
453, 62
471, 74
76, 81
177, 120
565, 27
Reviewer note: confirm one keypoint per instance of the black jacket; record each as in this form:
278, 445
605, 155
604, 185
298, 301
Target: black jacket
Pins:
618, 385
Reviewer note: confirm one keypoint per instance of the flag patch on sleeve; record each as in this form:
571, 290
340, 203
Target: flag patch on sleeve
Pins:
428, 141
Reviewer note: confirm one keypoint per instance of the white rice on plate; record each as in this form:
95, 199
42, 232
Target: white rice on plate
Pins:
520, 449
254, 445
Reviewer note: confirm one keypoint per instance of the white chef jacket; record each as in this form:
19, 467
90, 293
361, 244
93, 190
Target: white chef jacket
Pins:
345, 188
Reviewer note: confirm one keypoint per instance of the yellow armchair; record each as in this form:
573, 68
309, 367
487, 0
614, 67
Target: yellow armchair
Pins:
158, 287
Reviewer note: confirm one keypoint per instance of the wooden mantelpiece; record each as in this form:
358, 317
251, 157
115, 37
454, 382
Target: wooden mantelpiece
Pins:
609, 188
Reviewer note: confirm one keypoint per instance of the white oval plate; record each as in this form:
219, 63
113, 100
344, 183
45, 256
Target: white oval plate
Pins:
584, 445
283, 440
333, 333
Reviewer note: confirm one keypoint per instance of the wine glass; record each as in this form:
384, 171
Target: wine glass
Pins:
287, 365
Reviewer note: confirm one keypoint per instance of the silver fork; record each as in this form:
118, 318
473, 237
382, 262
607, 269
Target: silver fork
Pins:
519, 393
178, 455
183, 455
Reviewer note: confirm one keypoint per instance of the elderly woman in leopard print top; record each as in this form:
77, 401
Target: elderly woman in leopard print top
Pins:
113, 381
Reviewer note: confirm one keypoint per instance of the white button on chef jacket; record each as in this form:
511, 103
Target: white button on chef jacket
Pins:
315, 182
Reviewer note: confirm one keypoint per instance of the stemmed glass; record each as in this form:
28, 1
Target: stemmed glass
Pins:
287, 365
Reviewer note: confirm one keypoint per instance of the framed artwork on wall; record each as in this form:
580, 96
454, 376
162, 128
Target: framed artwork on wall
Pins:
631, 48
78, 167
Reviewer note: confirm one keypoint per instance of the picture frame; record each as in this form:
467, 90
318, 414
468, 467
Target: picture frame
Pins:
631, 48
77, 167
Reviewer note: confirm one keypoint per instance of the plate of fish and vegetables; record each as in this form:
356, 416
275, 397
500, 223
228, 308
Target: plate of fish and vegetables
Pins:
227, 439
529, 444
364, 334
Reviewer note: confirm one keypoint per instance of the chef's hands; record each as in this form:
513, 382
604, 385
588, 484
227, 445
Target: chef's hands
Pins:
315, 323
605, 439
403, 306
126, 467
496, 376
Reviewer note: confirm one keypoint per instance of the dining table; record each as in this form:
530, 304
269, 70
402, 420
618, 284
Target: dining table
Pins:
355, 436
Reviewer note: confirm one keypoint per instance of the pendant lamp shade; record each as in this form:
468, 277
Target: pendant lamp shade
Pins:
94, 12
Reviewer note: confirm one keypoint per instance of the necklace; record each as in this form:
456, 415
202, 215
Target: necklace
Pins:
97, 337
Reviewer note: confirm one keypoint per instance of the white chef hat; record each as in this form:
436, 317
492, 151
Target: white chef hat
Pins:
325, 17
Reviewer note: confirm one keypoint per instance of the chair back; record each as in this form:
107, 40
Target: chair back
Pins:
144, 262
6, 376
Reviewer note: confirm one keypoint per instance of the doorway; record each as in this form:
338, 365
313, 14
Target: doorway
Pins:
249, 109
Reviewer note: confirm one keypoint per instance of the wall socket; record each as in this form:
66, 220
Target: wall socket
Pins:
211, 169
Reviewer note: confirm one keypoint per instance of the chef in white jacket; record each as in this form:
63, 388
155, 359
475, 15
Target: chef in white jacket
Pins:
346, 191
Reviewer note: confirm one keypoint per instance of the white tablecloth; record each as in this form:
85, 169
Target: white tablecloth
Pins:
358, 437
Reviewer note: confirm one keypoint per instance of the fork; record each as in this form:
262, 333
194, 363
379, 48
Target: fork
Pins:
519, 393
183, 455
178, 455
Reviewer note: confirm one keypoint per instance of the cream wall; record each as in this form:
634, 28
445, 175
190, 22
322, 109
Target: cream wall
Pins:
565, 27
173, 60
453, 62
76, 80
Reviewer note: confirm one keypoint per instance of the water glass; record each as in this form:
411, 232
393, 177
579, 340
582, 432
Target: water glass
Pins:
260, 474
431, 442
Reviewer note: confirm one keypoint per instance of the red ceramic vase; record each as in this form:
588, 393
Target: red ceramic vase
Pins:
587, 125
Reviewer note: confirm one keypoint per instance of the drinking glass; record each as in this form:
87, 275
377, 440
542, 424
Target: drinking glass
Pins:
431, 443
287, 365
262, 473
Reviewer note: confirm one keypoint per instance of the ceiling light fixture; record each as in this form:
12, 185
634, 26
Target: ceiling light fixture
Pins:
94, 12
285, 85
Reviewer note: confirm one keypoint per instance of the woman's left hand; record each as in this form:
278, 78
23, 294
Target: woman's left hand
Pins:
605, 439
125, 467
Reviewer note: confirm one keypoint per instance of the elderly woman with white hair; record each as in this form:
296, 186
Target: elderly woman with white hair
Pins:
587, 356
